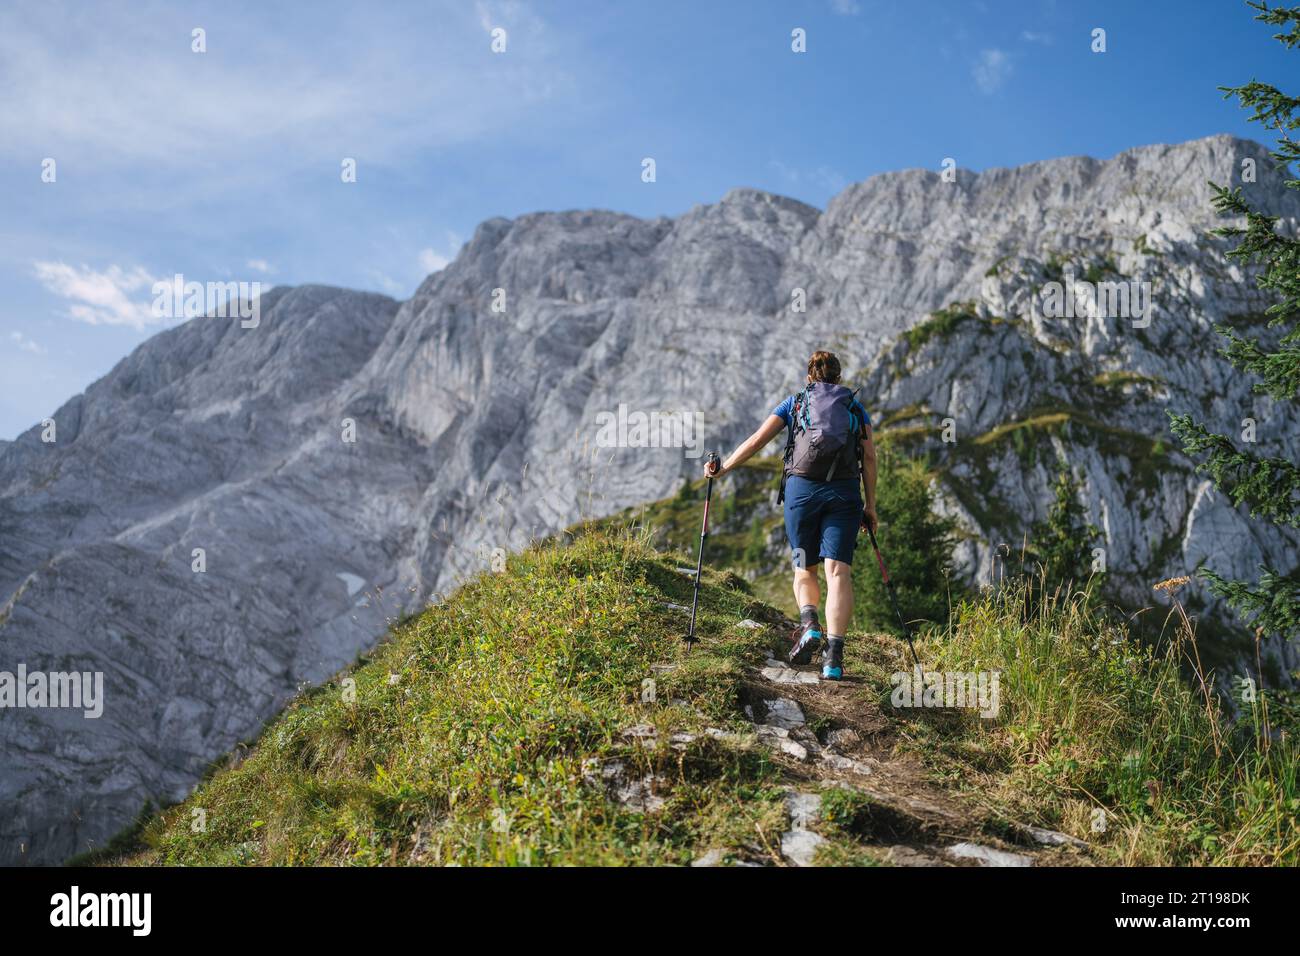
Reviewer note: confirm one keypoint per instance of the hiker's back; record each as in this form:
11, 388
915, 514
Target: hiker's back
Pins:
825, 425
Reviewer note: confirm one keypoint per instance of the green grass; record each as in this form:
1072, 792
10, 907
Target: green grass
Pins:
1121, 379
476, 732
466, 738
1092, 720
1046, 420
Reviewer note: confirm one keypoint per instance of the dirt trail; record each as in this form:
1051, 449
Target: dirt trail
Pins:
828, 734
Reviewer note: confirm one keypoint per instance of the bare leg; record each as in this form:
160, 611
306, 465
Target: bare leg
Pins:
839, 596
807, 590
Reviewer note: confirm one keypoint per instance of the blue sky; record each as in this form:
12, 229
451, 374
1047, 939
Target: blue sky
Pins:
225, 165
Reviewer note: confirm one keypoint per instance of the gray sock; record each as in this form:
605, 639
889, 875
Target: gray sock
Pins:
808, 615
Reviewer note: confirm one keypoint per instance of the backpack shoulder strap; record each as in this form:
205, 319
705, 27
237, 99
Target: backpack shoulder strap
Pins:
795, 409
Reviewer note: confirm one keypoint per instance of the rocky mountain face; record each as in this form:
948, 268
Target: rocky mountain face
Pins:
233, 513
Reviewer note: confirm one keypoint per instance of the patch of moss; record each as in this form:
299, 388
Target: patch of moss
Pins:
940, 324
1120, 379
1098, 271
994, 269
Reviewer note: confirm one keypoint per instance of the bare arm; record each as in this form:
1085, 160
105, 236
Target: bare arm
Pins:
751, 445
869, 479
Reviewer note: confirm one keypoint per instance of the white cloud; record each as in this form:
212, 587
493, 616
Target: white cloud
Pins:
1030, 36
260, 265
26, 344
100, 298
846, 8
991, 70
431, 261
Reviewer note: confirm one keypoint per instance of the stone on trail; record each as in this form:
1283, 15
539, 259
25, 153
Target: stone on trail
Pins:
844, 764
803, 808
806, 737
631, 792
796, 750
843, 738
779, 673
799, 844
1054, 838
784, 712
901, 855
638, 794
986, 855
711, 858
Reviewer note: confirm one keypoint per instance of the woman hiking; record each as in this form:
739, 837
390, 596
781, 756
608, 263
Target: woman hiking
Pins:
828, 450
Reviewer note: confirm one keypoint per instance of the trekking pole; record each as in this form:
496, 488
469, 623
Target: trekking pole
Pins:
893, 597
699, 561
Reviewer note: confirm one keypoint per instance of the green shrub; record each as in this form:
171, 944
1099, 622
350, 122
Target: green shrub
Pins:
917, 546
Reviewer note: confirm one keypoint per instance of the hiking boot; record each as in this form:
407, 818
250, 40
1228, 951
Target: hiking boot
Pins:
805, 641
833, 659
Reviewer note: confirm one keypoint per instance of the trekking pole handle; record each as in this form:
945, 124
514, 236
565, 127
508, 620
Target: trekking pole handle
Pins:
708, 497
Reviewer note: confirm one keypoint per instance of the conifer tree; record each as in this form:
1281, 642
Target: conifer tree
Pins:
1268, 486
1064, 542
918, 543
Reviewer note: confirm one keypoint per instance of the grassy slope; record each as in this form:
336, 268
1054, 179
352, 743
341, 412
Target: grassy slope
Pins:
1106, 736
474, 730
467, 738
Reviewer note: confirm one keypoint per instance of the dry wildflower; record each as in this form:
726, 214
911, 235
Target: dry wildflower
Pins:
1171, 585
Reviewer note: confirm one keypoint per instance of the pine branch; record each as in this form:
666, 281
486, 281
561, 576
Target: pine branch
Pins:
1270, 486
1278, 370
1280, 17
1272, 605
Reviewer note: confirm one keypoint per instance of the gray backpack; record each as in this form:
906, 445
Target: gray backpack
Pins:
824, 432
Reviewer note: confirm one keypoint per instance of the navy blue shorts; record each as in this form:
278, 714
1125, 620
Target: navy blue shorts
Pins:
822, 519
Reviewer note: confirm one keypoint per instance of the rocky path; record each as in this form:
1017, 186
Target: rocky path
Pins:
827, 735
911, 821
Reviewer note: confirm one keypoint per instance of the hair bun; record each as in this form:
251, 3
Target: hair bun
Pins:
824, 367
